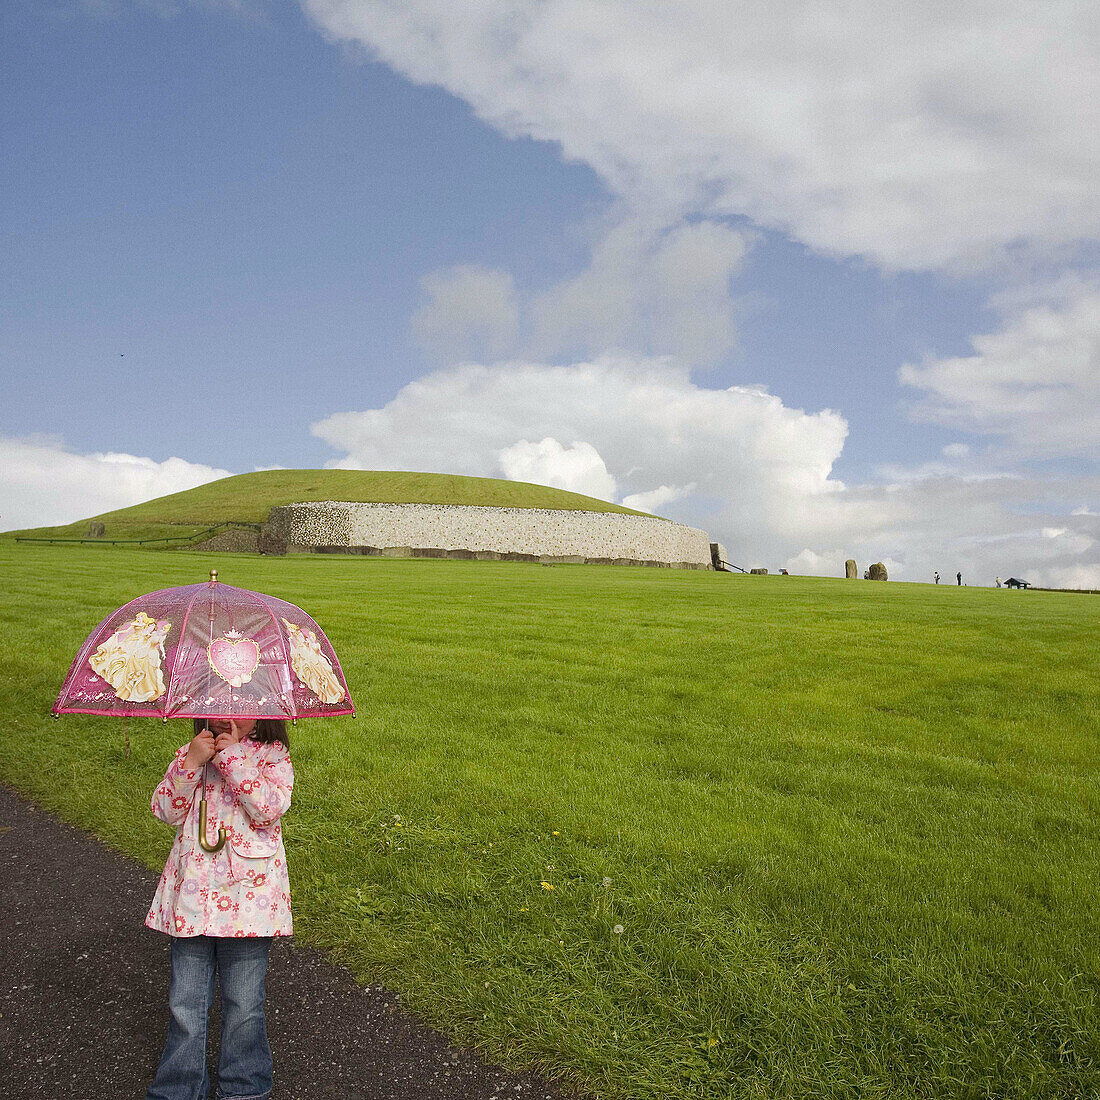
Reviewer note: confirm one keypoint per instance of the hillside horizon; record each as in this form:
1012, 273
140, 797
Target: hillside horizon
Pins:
248, 498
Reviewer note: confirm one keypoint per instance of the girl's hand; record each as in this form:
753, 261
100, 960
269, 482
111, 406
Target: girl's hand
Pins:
200, 750
228, 740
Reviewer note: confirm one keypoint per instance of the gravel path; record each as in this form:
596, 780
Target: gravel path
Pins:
84, 992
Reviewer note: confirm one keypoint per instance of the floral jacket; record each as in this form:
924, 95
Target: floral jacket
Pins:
242, 890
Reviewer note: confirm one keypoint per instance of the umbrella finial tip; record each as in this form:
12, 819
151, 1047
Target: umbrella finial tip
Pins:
213, 576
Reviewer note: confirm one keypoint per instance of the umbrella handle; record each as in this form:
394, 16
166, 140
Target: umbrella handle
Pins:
203, 842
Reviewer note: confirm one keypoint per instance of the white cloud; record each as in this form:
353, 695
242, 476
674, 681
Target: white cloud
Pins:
650, 424
926, 136
578, 468
759, 473
917, 135
979, 524
648, 289
657, 498
827, 564
43, 484
470, 313
1073, 576
1035, 383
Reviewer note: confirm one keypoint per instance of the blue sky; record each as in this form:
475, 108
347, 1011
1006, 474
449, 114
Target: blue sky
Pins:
184, 211
234, 235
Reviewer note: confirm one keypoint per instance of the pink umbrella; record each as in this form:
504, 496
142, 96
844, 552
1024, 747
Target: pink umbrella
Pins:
206, 651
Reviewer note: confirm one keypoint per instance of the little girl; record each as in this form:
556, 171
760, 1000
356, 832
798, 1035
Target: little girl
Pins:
222, 908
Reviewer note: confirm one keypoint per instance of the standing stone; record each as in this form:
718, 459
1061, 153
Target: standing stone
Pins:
96, 530
877, 572
851, 573
759, 572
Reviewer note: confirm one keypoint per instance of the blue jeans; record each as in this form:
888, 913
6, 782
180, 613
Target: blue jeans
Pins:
244, 1064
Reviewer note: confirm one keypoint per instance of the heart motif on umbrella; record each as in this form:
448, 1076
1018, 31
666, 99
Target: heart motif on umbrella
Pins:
233, 657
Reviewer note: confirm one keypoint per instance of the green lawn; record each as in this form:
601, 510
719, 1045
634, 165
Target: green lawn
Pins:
849, 830
247, 498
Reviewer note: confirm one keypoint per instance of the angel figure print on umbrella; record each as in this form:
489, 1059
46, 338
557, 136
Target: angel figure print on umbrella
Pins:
131, 660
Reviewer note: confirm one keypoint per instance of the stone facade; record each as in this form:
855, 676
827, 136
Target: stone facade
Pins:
235, 539
513, 534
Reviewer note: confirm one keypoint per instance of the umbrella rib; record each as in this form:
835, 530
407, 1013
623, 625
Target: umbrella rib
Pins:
83, 652
286, 657
183, 627
257, 598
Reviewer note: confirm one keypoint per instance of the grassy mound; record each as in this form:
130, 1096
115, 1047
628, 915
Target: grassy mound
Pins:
247, 498
673, 834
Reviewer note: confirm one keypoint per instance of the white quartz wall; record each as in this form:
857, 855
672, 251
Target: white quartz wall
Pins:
541, 531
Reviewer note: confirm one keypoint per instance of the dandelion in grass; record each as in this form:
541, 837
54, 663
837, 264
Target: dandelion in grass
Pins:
556, 833
618, 929
547, 885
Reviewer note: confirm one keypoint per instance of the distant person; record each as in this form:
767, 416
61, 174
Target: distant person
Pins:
959, 579
998, 582
937, 576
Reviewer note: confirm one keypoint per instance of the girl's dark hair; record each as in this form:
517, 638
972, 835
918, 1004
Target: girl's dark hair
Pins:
267, 730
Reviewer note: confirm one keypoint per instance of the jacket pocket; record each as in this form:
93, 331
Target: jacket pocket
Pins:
248, 863
254, 843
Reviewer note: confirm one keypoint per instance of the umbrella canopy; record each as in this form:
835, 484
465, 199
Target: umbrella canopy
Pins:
206, 651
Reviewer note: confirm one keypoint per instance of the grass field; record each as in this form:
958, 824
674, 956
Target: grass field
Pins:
247, 498
849, 831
